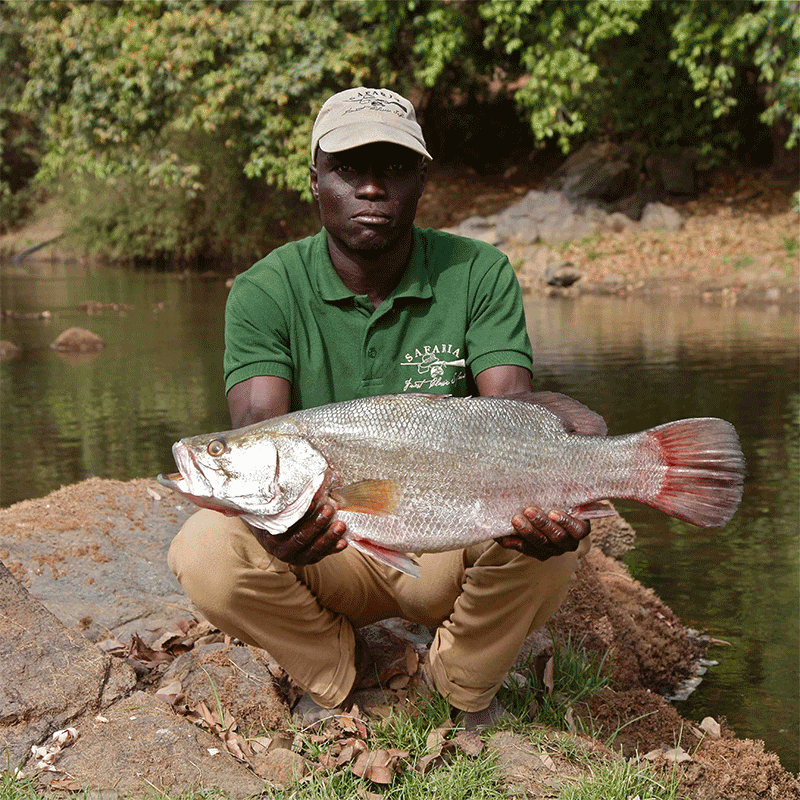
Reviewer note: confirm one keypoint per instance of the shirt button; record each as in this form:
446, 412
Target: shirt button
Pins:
372, 352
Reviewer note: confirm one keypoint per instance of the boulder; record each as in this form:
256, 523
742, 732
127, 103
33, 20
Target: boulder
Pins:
658, 216
8, 349
78, 340
50, 675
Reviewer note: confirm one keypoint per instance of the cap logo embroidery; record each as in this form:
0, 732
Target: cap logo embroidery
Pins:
373, 101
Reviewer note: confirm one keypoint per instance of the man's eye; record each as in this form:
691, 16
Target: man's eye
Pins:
345, 168
398, 168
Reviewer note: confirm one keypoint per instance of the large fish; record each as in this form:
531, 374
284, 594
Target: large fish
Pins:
424, 473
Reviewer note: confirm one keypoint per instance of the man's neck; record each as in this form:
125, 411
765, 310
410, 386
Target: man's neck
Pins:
373, 274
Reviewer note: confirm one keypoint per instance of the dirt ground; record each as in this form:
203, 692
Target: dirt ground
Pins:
180, 680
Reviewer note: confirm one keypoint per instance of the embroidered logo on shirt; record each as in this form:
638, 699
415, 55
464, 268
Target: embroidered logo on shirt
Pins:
439, 366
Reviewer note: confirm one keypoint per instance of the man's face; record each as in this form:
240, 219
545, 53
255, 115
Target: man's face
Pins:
368, 195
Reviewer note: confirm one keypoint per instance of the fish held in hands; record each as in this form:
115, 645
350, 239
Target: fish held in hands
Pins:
421, 473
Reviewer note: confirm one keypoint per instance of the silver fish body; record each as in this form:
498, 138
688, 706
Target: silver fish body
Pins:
427, 473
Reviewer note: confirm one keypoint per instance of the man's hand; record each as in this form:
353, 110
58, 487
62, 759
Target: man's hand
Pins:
307, 541
542, 535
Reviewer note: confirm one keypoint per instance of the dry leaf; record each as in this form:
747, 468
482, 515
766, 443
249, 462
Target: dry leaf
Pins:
547, 761
66, 784
547, 678
469, 742
412, 660
171, 693
379, 766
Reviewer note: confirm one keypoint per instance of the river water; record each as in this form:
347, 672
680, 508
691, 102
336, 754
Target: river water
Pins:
637, 362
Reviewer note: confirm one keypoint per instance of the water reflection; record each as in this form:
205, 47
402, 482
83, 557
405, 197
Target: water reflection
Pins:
116, 413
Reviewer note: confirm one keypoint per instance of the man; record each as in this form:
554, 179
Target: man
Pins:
373, 305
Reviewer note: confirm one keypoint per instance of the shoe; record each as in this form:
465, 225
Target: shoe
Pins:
488, 717
308, 713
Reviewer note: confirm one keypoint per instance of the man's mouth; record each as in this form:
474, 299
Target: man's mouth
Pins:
371, 218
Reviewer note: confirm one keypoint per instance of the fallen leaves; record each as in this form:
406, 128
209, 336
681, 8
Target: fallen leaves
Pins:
46, 755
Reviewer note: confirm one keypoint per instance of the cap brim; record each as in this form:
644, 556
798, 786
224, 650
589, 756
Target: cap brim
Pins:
350, 136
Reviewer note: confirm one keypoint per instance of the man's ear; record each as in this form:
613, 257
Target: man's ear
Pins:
423, 171
312, 176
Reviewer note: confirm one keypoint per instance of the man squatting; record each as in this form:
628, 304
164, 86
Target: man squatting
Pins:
374, 305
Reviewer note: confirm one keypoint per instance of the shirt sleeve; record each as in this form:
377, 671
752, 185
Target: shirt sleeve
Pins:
497, 334
256, 335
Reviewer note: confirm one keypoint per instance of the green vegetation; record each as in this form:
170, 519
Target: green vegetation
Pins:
181, 129
572, 675
622, 780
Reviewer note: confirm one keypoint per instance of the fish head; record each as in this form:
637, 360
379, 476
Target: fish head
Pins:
268, 477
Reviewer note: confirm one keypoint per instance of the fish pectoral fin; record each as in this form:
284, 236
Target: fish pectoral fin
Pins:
392, 558
369, 497
593, 510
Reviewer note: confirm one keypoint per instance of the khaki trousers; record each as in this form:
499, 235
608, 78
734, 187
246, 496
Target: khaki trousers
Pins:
483, 601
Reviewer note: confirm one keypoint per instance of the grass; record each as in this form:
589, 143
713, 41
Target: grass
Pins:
462, 779
622, 780
576, 675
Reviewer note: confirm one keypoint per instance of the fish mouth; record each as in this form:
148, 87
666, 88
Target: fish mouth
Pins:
192, 484
179, 484
171, 481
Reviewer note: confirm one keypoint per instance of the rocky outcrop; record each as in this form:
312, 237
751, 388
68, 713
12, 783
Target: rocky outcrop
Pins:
602, 187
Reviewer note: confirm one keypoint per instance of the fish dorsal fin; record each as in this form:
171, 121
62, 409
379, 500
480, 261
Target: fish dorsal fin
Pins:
369, 497
574, 416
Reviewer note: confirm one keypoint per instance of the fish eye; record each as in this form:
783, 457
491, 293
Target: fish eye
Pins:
216, 447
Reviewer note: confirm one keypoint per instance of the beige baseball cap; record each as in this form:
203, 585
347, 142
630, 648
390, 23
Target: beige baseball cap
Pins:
362, 116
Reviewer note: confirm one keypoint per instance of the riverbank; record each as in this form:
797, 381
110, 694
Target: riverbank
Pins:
159, 698
739, 240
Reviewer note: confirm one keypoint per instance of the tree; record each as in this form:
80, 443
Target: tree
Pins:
192, 108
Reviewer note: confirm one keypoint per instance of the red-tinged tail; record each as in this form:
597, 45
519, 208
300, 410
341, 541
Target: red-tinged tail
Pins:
704, 470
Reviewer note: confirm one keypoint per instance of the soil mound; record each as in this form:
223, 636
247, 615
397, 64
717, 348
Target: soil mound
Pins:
98, 641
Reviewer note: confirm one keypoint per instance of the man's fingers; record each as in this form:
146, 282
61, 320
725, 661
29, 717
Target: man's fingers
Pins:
526, 526
330, 541
577, 528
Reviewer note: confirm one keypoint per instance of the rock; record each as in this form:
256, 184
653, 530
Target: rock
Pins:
8, 349
614, 536
547, 217
618, 222
673, 171
50, 675
563, 274
658, 216
78, 340
145, 747
238, 677
601, 171
98, 550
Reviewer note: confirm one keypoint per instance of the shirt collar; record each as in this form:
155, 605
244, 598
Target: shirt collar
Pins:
415, 282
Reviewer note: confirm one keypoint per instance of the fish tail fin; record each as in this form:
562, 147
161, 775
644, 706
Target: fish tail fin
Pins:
704, 470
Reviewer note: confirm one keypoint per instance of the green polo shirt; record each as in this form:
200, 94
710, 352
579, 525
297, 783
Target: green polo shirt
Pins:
456, 312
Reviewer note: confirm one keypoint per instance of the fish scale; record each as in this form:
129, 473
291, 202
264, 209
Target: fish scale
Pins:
427, 473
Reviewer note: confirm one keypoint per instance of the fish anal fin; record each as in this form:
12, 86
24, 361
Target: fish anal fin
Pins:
574, 416
392, 558
369, 497
593, 510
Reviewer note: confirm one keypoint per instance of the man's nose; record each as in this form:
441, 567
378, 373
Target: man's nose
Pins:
372, 184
